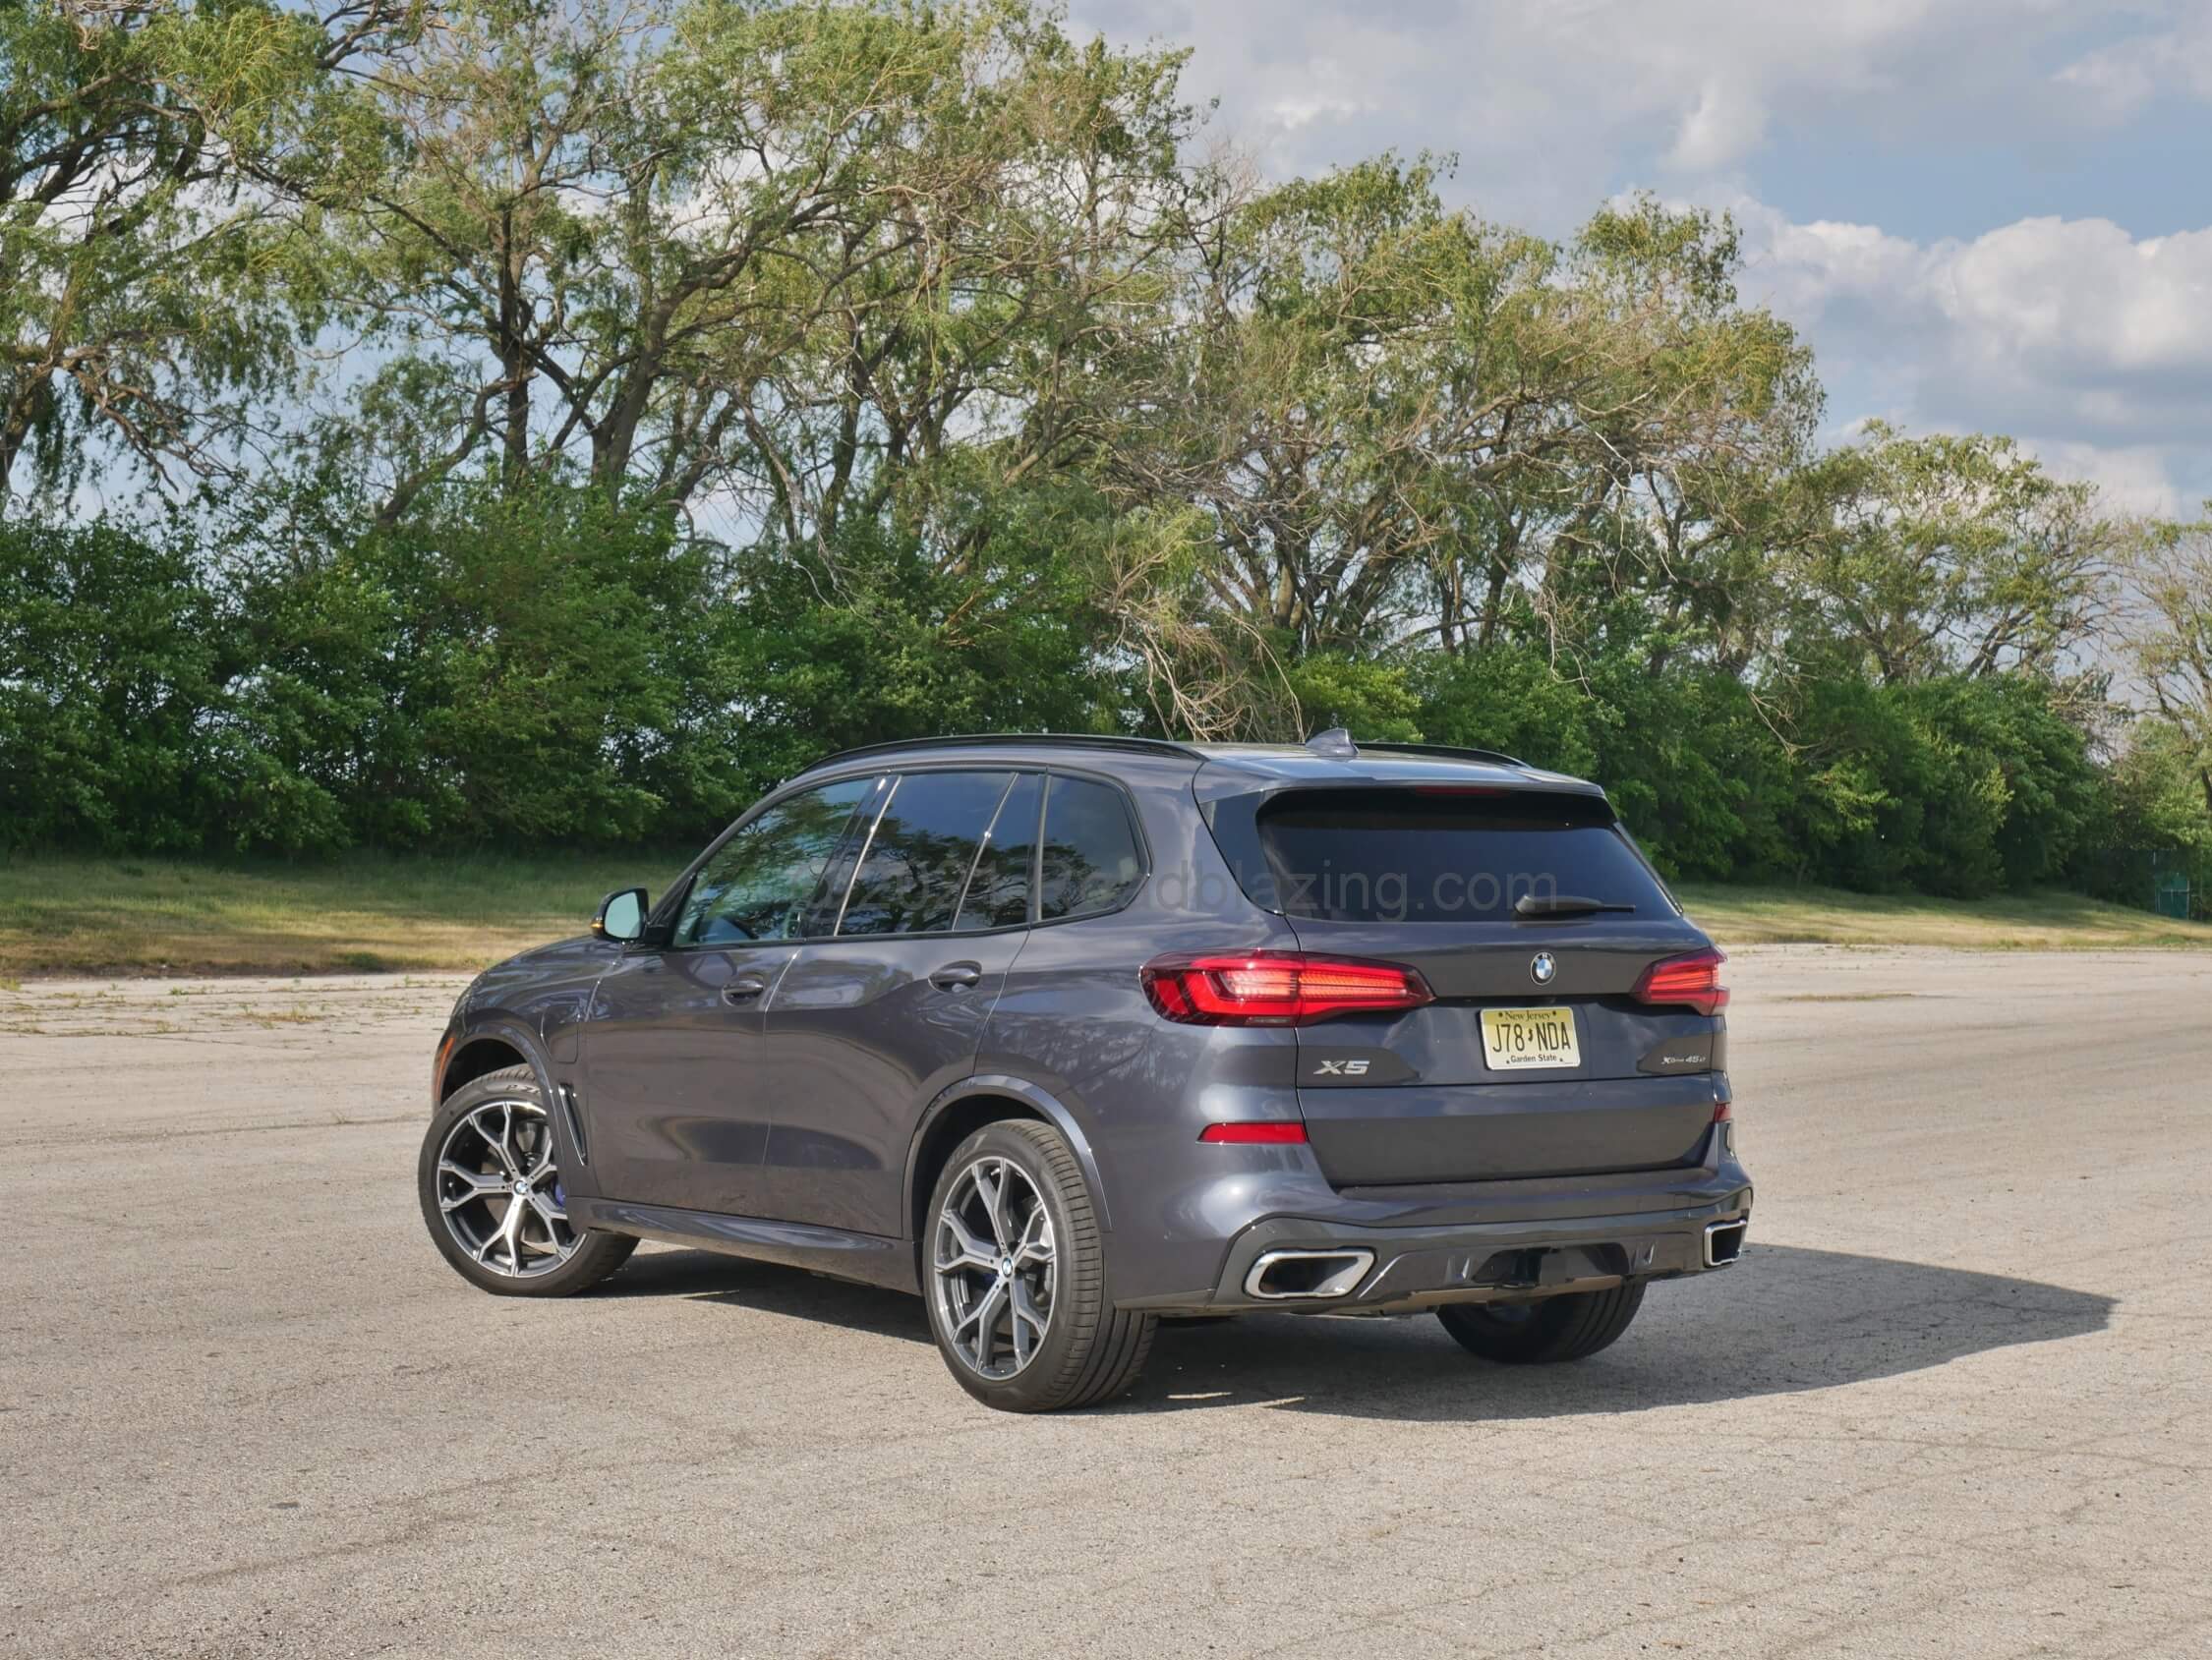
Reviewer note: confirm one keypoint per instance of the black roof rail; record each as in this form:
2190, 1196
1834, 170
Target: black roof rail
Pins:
961, 740
1453, 751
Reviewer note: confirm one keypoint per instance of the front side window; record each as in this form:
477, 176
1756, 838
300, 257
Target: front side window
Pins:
1090, 862
761, 883
919, 856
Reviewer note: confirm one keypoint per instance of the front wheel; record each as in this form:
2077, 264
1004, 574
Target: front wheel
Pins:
1568, 1327
492, 1196
1015, 1276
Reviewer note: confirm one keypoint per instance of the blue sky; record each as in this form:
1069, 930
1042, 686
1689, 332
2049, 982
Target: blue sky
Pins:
1990, 214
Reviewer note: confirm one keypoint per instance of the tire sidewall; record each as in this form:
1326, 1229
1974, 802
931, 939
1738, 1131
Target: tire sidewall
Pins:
1548, 1337
583, 1266
1037, 1382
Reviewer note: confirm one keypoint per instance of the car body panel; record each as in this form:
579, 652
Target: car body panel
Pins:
670, 1081
854, 1037
1487, 1132
872, 1259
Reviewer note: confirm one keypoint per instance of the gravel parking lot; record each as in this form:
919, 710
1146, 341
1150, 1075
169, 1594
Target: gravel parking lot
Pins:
1957, 1399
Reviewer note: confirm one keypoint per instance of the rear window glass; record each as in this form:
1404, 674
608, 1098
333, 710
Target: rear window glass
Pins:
1414, 855
1090, 861
998, 893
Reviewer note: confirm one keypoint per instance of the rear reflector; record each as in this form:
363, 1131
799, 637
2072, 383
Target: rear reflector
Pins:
1272, 1133
1688, 982
1277, 987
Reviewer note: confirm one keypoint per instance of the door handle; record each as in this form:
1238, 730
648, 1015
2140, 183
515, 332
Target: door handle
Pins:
957, 976
744, 988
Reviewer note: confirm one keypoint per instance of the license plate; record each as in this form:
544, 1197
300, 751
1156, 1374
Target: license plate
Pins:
1517, 1038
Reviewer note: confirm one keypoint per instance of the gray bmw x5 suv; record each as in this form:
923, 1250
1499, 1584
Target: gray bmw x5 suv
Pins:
1070, 1035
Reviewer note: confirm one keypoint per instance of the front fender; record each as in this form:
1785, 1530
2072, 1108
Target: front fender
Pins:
494, 1027
515, 1034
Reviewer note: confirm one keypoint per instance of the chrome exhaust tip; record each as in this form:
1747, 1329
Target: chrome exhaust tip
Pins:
1284, 1275
1724, 1241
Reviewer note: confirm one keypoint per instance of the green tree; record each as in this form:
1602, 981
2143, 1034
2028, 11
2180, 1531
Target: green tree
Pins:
2171, 566
116, 657
149, 290
1953, 555
792, 255
906, 647
532, 665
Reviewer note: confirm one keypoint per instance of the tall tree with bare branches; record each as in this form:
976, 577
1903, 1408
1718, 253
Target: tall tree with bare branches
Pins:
151, 289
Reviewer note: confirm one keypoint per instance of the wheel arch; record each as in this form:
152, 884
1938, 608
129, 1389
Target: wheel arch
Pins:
479, 1054
500, 1042
960, 1112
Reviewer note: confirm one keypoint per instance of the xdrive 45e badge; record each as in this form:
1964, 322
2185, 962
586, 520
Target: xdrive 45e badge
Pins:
1542, 968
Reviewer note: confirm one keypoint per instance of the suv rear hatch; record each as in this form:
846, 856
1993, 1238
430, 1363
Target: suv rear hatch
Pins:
1536, 1055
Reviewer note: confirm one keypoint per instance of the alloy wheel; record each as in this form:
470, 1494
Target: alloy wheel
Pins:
993, 1270
499, 1192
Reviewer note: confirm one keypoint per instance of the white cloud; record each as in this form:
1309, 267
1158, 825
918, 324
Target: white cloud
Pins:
1302, 109
1720, 130
2094, 345
1543, 100
2118, 78
2134, 478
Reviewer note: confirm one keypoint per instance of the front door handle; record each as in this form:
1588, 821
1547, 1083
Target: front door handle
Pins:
744, 988
957, 976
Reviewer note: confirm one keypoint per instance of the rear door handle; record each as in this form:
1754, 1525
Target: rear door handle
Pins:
744, 988
957, 976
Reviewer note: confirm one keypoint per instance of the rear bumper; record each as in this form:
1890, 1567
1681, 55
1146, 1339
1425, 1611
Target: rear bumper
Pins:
1495, 1252
1409, 1269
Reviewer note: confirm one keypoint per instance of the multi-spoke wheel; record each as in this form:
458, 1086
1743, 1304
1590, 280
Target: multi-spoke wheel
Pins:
492, 1195
499, 1192
993, 1267
1015, 1276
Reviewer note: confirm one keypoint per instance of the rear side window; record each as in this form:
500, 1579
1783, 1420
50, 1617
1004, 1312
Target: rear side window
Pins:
759, 885
998, 894
1414, 855
918, 859
1090, 862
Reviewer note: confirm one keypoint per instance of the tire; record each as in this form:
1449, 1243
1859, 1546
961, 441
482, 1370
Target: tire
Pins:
1087, 1350
1569, 1327
465, 1184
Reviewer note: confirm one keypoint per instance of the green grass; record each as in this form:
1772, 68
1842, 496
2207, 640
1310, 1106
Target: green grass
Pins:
62, 915
363, 913
2046, 920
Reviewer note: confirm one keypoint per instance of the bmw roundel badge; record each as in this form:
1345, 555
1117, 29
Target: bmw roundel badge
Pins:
1542, 968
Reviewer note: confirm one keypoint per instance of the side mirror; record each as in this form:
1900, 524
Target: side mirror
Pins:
621, 915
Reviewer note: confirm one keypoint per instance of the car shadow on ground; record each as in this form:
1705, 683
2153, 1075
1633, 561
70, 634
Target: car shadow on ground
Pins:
1784, 1320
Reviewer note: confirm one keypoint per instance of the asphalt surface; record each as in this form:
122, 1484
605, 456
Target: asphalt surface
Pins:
1956, 1400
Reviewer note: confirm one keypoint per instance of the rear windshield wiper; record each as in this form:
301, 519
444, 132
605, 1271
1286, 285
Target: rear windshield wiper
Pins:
1562, 904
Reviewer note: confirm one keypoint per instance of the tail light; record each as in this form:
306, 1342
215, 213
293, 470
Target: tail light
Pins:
1690, 982
1277, 987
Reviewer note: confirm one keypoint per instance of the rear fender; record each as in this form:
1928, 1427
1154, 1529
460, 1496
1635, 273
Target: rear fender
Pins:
1042, 1100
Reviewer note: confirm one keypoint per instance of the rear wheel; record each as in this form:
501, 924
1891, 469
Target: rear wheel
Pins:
1568, 1327
1015, 1276
492, 1196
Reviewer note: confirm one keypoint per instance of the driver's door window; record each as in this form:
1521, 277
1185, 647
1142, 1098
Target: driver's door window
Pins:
763, 882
